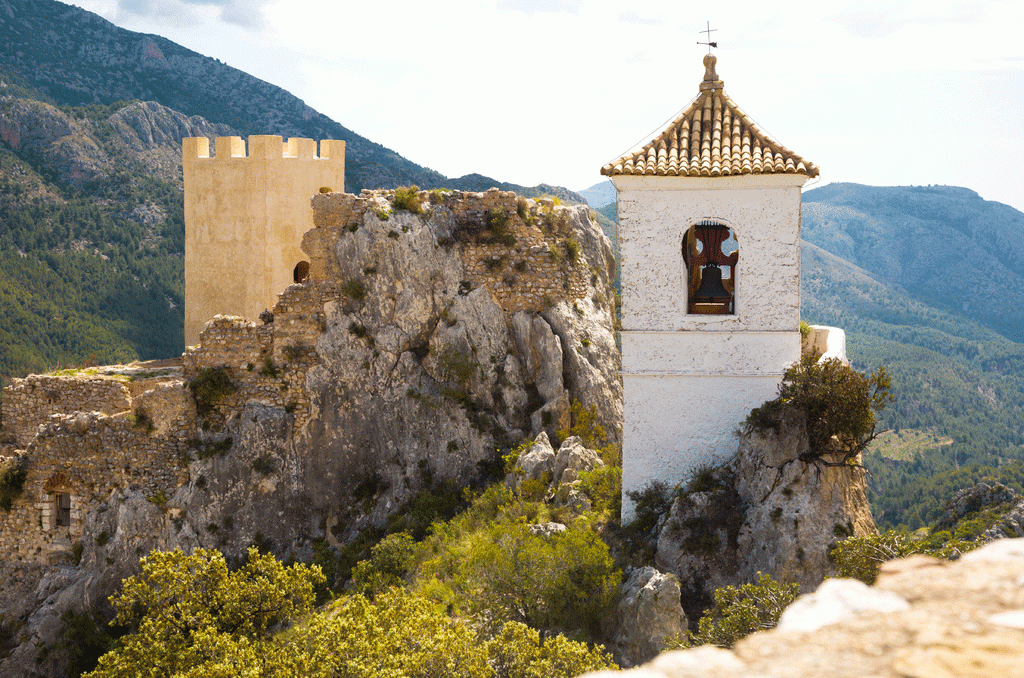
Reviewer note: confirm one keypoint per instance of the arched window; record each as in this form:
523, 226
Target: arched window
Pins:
710, 253
301, 271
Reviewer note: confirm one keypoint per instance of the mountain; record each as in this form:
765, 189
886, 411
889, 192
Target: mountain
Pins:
946, 246
927, 282
600, 194
92, 61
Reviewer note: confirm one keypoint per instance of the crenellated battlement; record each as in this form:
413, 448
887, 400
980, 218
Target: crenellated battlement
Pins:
262, 147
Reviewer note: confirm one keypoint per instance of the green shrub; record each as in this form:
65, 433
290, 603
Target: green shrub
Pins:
439, 502
296, 351
861, 557
264, 465
390, 560
210, 386
837, 402
567, 580
408, 198
140, 419
437, 195
500, 228
572, 250
740, 611
354, 288
604, 487
517, 652
86, 640
269, 368
12, 481
455, 366
650, 504
523, 210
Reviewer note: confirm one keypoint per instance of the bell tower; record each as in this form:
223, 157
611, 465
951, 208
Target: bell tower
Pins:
709, 232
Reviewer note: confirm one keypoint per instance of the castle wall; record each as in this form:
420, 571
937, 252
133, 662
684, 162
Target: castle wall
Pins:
528, 276
29, 402
87, 455
244, 220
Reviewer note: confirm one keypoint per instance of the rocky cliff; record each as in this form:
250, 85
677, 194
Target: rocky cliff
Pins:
771, 509
425, 342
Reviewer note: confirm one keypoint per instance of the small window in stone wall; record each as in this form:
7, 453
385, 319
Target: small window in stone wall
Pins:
61, 509
301, 271
710, 253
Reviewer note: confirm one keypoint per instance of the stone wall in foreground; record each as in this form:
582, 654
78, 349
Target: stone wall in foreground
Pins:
924, 618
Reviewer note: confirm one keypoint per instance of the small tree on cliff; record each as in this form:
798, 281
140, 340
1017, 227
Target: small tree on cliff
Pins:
837, 402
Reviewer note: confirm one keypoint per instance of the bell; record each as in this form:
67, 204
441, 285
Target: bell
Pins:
711, 290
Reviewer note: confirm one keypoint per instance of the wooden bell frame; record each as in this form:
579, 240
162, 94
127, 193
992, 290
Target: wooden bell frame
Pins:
702, 246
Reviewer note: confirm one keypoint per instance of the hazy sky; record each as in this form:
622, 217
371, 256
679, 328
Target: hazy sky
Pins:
897, 92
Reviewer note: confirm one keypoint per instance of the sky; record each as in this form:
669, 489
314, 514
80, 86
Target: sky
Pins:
886, 93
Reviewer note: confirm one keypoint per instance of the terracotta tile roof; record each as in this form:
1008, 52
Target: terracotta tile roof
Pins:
711, 138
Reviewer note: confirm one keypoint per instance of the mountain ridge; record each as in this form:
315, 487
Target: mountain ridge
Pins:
92, 61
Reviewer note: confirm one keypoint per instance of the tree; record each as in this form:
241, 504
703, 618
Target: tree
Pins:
837, 402
404, 635
567, 580
193, 617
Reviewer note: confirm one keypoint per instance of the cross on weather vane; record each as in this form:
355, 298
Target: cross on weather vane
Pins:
709, 30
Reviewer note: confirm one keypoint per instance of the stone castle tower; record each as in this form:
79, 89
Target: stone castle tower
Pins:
244, 220
709, 228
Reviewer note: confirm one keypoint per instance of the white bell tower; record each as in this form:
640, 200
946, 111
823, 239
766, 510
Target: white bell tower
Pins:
709, 231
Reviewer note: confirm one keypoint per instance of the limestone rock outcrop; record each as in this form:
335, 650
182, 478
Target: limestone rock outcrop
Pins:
771, 509
557, 473
924, 618
648, 614
972, 499
421, 346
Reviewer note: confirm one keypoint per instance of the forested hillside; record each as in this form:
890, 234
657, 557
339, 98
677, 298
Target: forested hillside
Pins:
934, 295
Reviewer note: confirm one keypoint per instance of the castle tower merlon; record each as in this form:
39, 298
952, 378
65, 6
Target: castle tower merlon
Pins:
193, 148
229, 147
332, 149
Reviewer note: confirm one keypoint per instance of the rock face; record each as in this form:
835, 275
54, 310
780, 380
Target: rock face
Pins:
768, 510
924, 618
147, 134
648, 613
407, 359
975, 498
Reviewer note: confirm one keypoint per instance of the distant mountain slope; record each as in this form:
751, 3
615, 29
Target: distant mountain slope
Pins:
65, 55
944, 245
71, 56
953, 379
600, 194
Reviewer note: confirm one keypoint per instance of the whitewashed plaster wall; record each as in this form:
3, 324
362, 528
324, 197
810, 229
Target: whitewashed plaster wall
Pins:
764, 213
689, 381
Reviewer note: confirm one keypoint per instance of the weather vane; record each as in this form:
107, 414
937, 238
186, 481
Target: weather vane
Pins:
709, 30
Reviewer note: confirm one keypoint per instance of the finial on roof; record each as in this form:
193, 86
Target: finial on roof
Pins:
709, 64
711, 80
